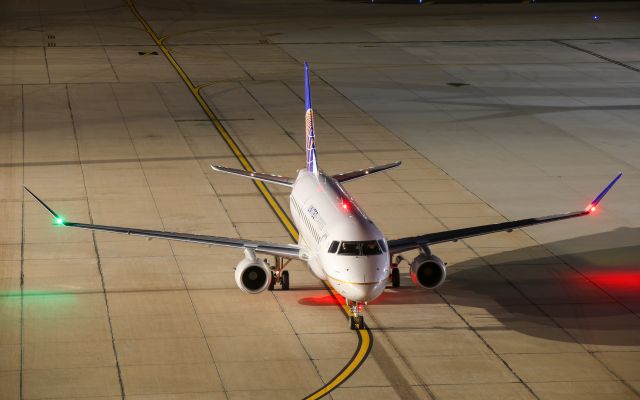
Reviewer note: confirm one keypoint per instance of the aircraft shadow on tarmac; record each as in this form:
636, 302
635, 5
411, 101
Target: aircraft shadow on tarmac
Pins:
592, 296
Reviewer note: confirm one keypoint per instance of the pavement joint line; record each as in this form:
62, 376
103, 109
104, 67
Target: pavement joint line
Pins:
352, 42
156, 159
175, 259
95, 249
365, 339
21, 384
597, 55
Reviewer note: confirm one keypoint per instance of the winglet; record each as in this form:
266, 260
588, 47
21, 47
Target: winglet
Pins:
592, 206
307, 87
57, 218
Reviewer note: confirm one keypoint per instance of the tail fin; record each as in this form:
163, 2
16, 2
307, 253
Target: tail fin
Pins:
312, 162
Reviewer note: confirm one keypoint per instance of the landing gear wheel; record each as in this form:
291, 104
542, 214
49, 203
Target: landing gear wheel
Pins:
356, 323
272, 285
395, 277
285, 280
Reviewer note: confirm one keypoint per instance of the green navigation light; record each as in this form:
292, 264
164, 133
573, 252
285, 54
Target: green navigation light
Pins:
59, 221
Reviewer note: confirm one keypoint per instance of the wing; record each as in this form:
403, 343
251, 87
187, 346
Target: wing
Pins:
410, 243
276, 249
271, 178
349, 176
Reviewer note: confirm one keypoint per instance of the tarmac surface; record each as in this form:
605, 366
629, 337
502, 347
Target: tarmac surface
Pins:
498, 112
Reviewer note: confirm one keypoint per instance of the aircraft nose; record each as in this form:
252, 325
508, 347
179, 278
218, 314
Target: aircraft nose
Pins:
363, 293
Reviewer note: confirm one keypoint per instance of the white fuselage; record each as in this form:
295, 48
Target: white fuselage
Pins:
343, 245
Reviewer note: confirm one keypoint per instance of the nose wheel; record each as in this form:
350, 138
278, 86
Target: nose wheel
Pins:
356, 319
279, 275
356, 323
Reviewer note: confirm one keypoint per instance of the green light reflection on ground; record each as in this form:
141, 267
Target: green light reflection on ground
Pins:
35, 300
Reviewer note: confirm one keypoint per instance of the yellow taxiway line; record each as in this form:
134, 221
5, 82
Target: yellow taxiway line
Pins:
365, 339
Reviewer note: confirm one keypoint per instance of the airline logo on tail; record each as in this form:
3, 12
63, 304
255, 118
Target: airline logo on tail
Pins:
312, 162
311, 142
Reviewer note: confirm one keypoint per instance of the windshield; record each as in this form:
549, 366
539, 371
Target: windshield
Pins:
368, 248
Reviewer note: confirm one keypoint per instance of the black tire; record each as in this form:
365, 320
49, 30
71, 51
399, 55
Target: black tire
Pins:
356, 323
272, 285
285, 280
395, 277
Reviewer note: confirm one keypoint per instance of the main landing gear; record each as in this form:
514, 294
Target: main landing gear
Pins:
356, 319
279, 275
395, 272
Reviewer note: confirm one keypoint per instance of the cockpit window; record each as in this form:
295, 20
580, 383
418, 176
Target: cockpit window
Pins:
371, 248
383, 245
349, 249
368, 248
333, 247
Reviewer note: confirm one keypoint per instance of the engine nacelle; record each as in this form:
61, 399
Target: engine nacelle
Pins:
253, 276
428, 271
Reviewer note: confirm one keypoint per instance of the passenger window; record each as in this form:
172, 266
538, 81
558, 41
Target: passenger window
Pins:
333, 247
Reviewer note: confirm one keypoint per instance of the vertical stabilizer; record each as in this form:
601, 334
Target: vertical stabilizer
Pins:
312, 162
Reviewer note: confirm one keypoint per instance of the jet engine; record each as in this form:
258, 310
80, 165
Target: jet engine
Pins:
428, 271
253, 276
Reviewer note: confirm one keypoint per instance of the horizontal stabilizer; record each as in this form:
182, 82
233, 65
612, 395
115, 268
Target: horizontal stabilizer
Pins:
349, 176
277, 179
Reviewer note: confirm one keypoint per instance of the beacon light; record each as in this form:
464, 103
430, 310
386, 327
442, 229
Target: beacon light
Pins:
345, 205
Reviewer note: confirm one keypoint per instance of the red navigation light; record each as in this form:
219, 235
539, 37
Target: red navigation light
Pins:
592, 209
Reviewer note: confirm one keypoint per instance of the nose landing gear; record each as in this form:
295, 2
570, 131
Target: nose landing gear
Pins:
279, 275
356, 319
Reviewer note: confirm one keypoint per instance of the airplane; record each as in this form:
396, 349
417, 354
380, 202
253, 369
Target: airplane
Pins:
337, 240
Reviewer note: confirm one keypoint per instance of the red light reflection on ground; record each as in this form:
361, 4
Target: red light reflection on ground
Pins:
617, 280
326, 300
